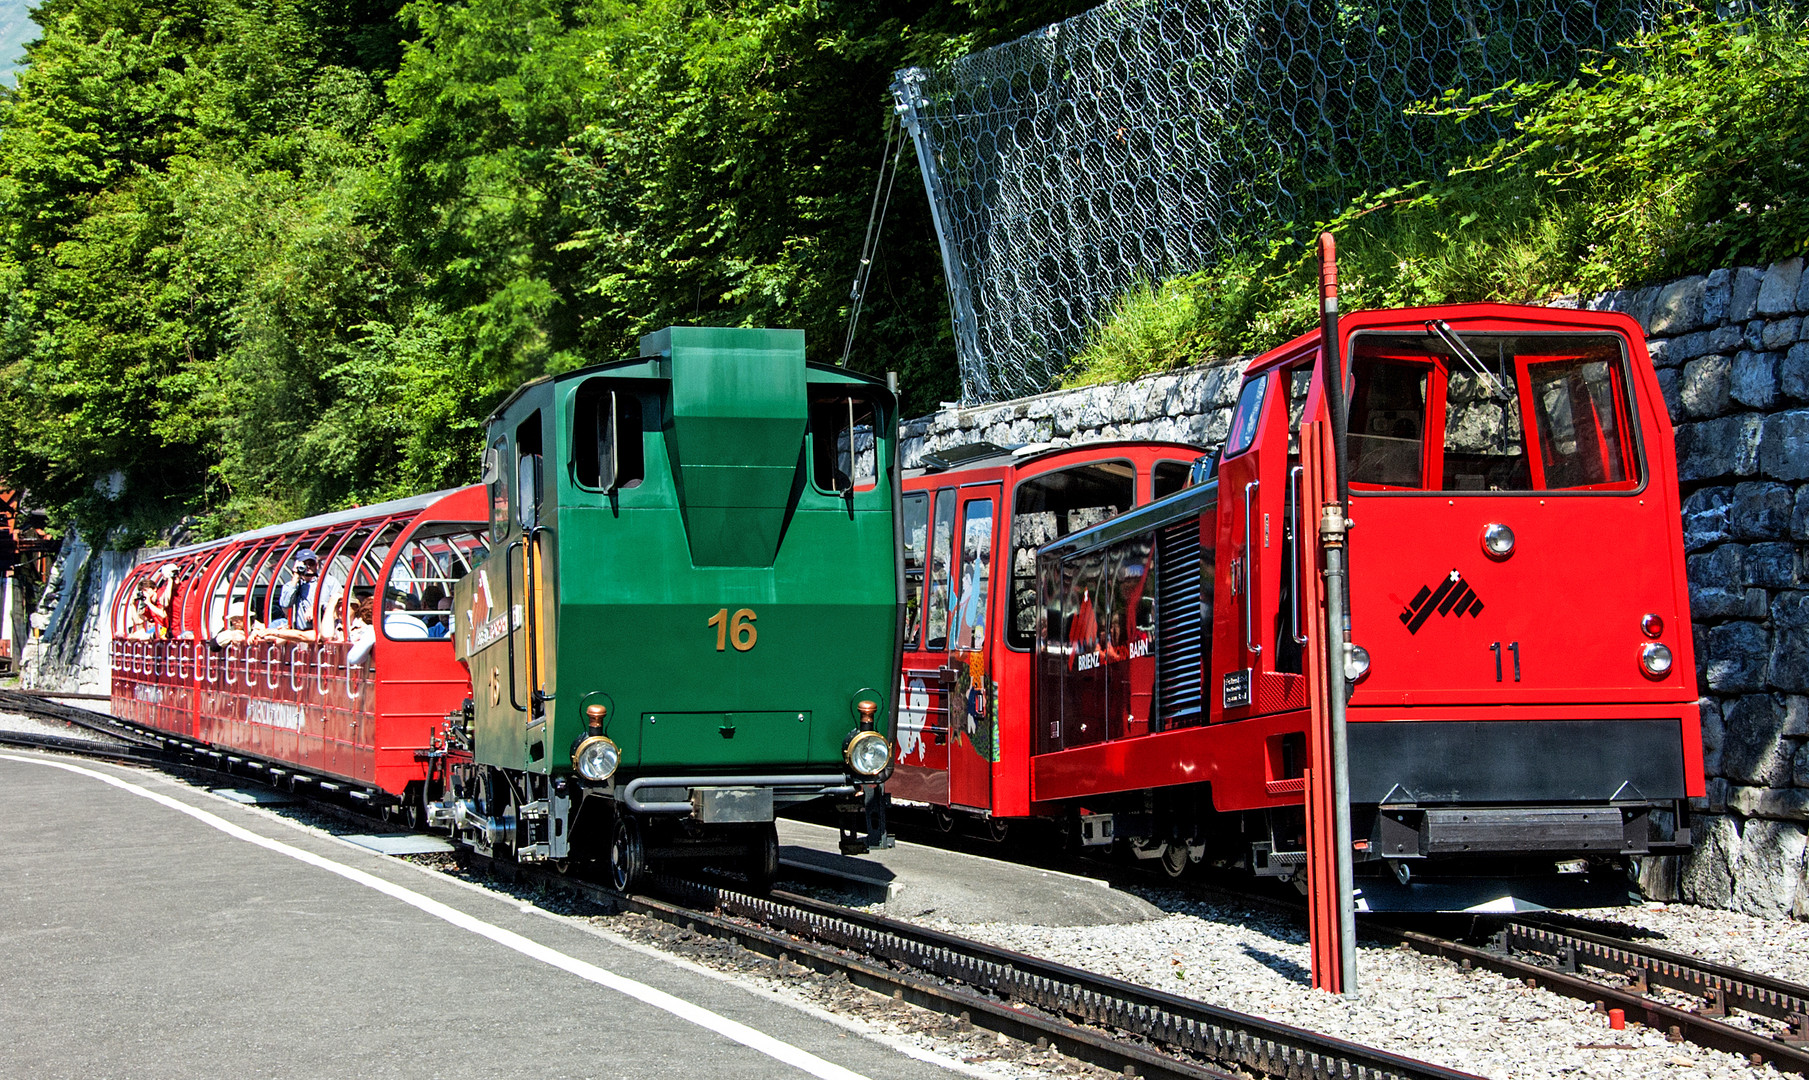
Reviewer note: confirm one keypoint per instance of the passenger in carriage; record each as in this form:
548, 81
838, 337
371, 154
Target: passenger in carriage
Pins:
363, 632
162, 589
398, 622
296, 602
139, 624
147, 619
239, 628
434, 598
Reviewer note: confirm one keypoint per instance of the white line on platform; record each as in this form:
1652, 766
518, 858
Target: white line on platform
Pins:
659, 999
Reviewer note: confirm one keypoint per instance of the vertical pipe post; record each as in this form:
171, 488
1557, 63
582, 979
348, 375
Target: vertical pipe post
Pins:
908, 95
1333, 525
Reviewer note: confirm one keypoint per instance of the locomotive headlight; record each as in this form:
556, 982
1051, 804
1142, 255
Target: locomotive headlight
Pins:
1655, 658
596, 758
1356, 662
867, 753
1497, 540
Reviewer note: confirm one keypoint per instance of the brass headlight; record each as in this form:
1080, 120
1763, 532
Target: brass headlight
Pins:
596, 758
867, 753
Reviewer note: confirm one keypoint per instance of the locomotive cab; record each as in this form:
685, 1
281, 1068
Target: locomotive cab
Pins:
690, 613
1521, 708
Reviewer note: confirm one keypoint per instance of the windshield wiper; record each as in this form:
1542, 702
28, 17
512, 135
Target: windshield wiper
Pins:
1441, 329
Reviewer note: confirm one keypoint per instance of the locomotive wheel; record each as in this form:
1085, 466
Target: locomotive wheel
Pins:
627, 854
943, 817
762, 863
997, 829
1174, 859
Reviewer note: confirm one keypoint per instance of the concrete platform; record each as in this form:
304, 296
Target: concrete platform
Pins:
913, 881
151, 929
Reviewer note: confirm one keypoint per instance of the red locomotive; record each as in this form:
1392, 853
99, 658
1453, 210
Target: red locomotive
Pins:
318, 648
1522, 716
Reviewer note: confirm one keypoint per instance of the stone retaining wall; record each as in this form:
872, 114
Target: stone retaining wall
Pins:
1732, 351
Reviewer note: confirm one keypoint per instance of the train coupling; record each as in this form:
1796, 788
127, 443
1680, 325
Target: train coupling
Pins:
863, 821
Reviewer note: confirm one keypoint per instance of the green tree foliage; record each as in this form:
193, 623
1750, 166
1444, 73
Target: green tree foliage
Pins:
271, 257
181, 237
1690, 154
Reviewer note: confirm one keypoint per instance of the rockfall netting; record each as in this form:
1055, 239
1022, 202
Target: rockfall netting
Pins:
1146, 137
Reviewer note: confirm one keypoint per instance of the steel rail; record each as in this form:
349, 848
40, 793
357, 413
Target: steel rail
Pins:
1722, 988
1129, 1029
121, 753
1701, 1028
47, 707
1224, 1037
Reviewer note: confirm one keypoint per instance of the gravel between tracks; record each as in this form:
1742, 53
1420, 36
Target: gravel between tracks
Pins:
1778, 948
1254, 960
32, 725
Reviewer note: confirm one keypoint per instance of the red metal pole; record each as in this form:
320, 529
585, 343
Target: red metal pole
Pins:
1324, 924
1332, 923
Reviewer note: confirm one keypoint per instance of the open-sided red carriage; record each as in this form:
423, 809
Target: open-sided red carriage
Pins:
197, 651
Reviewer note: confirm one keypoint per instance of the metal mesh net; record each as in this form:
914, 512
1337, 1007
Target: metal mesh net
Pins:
1146, 137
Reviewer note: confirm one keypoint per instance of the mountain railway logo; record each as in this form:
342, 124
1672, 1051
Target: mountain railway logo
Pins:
1453, 597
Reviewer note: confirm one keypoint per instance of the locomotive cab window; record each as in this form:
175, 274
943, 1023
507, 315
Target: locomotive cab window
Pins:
844, 447
1448, 411
608, 422
528, 460
1388, 422
1247, 415
496, 479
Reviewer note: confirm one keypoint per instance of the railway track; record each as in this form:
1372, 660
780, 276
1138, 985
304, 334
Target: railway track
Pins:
1108, 1022
132, 744
1129, 1029
1762, 1019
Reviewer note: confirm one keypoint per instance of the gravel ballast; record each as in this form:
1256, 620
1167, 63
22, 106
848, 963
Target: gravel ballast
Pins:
1253, 959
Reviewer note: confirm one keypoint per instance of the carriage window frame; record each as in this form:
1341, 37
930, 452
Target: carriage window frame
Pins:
1635, 436
1015, 638
1157, 484
284, 571
219, 601
404, 547
937, 595
916, 598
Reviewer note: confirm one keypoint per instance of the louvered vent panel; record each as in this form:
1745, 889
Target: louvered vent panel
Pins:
1178, 636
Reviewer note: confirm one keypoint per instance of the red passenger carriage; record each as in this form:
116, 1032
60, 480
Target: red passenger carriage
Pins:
1523, 704
964, 717
336, 701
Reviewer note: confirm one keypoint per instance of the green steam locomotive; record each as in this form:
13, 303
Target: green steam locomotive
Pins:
690, 612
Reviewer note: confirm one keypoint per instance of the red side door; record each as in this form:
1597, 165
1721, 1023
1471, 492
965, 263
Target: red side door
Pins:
922, 729
972, 691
